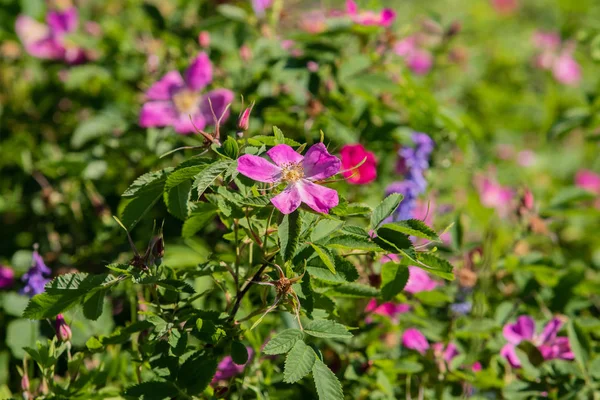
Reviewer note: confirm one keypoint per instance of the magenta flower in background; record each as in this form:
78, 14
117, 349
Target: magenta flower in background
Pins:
387, 309
446, 352
557, 57
173, 99
418, 59
419, 281
36, 277
494, 195
352, 155
260, 6
547, 342
505, 6
7, 277
588, 180
298, 172
385, 18
48, 41
228, 369
413, 339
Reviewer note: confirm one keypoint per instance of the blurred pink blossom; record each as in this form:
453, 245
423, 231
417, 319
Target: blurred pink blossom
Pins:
385, 18
7, 277
588, 180
387, 309
548, 343
418, 59
259, 6
526, 158
505, 6
228, 369
494, 195
557, 57
413, 339
419, 281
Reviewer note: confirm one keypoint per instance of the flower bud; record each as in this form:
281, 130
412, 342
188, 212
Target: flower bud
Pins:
527, 200
244, 119
158, 250
25, 382
454, 29
63, 331
204, 39
245, 53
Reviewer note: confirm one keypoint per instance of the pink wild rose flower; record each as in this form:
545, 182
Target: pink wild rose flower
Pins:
173, 99
385, 18
228, 369
7, 277
557, 57
494, 195
260, 6
387, 309
353, 155
419, 281
549, 345
413, 339
299, 174
588, 180
49, 41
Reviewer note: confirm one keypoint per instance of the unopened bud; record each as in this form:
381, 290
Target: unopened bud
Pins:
63, 331
244, 119
204, 39
527, 201
220, 392
454, 29
312, 66
158, 250
25, 382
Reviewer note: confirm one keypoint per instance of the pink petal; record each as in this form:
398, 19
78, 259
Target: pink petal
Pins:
288, 200
164, 88
157, 113
420, 62
319, 164
521, 330
63, 22
183, 124
550, 330
387, 17
450, 352
419, 281
351, 7
317, 197
353, 155
508, 352
36, 38
199, 73
588, 180
220, 99
566, 70
259, 169
284, 154
405, 46
415, 340
476, 367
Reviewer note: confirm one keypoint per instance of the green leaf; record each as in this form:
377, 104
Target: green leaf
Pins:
345, 270
94, 345
148, 182
270, 141
298, 362
580, 344
324, 328
435, 265
393, 279
328, 385
385, 209
206, 178
533, 353
200, 215
152, 390
93, 306
239, 353
279, 137
196, 372
21, 333
64, 292
353, 66
324, 228
231, 148
352, 242
392, 240
186, 171
413, 227
289, 234
176, 199
325, 256
283, 342
353, 290
103, 124
143, 193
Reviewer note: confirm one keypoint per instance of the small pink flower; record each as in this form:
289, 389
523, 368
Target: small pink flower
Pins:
417, 59
413, 339
352, 155
244, 119
299, 173
63, 331
494, 195
312, 66
204, 39
7, 277
547, 342
228, 369
557, 57
505, 6
177, 101
566, 70
526, 158
387, 309
259, 6
588, 180
419, 281
476, 367
49, 41
385, 18
447, 353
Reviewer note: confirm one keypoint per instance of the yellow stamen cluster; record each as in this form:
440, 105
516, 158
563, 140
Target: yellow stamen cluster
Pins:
186, 101
292, 172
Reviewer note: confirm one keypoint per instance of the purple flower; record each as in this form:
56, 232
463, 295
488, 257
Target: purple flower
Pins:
549, 345
49, 41
259, 6
36, 278
462, 308
228, 369
299, 173
419, 281
7, 277
385, 18
415, 340
173, 99
387, 309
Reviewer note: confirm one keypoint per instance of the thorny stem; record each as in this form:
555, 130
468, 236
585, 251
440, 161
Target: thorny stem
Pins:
242, 293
